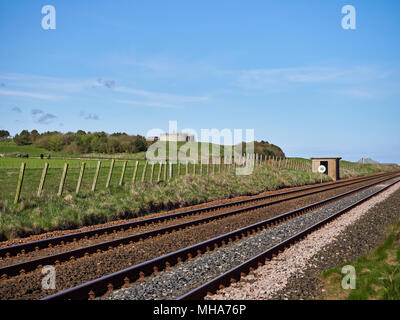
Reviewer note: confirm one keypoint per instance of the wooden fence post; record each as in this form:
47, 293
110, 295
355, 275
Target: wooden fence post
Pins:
152, 172
159, 172
166, 170
78, 185
110, 173
42, 179
170, 170
62, 181
20, 181
96, 176
135, 172
144, 171
121, 181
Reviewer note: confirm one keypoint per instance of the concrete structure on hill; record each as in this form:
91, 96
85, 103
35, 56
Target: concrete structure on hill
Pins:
331, 165
180, 137
152, 138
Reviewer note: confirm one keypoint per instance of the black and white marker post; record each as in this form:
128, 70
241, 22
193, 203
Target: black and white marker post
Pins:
321, 170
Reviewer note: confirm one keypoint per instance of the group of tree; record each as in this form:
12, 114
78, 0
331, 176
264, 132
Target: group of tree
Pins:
265, 148
4, 134
268, 149
81, 142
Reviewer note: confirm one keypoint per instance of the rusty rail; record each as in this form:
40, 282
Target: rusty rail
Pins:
124, 277
41, 244
27, 266
235, 274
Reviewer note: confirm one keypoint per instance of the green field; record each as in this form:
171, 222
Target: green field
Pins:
9, 172
10, 148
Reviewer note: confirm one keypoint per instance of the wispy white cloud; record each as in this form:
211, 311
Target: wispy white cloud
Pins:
59, 86
157, 96
357, 93
286, 77
28, 94
64, 85
146, 103
356, 82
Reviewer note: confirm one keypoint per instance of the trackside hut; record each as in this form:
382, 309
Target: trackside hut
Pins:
331, 165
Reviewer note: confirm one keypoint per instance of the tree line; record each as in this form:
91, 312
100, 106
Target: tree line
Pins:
4, 134
83, 142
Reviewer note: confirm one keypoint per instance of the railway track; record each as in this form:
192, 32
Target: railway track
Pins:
24, 248
33, 263
235, 274
125, 277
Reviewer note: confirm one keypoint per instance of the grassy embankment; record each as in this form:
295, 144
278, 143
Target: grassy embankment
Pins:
36, 215
377, 273
353, 169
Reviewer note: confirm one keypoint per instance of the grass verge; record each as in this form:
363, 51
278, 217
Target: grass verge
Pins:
377, 273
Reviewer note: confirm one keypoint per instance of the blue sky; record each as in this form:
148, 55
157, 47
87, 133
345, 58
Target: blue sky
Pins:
286, 69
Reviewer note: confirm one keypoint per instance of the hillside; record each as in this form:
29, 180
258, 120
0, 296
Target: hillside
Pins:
368, 161
76, 149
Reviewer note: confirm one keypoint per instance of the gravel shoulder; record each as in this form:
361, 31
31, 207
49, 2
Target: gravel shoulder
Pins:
295, 274
369, 231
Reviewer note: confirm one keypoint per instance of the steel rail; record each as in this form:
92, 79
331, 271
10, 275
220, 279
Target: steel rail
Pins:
60, 240
126, 276
30, 265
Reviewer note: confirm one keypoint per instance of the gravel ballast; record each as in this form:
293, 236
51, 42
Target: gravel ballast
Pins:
80, 270
185, 276
295, 274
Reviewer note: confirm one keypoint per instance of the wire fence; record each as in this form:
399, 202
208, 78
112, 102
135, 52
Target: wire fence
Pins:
78, 177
